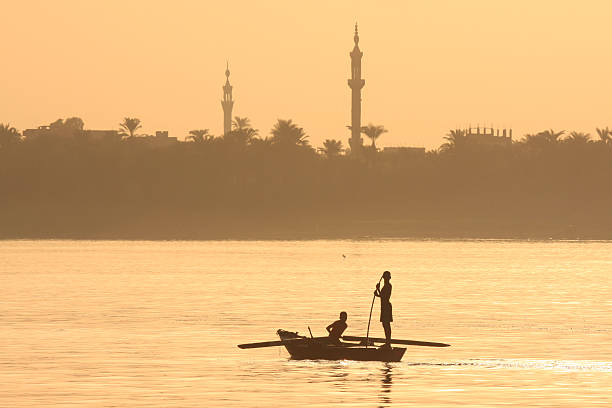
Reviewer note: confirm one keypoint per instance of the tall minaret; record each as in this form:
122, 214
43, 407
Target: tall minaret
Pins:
227, 103
356, 83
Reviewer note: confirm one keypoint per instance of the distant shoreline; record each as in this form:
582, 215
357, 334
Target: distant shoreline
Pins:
302, 239
313, 229
68, 185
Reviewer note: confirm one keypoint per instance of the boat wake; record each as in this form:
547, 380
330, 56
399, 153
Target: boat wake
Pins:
524, 364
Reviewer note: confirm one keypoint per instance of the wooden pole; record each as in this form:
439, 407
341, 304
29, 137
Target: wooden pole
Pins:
370, 318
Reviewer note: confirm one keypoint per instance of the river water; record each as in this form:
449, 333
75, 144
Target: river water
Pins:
155, 324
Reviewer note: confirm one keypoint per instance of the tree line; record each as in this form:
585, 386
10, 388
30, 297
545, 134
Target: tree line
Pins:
246, 184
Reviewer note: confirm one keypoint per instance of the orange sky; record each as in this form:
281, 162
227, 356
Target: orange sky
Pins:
429, 66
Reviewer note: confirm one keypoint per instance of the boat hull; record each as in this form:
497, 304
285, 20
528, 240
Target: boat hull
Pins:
320, 349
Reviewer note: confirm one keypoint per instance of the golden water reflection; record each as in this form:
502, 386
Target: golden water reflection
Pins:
155, 324
386, 383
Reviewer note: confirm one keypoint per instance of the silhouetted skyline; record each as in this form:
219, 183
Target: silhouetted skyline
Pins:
258, 179
66, 181
430, 66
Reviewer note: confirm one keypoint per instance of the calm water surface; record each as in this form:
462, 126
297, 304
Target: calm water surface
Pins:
155, 324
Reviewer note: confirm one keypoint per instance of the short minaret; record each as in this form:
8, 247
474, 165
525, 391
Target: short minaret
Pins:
227, 103
356, 83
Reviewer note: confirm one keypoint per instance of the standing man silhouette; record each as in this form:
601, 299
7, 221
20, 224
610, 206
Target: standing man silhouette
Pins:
386, 310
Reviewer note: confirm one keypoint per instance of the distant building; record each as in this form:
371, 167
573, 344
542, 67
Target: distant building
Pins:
161, 139
489, 136
102, 134
227, 103
47, 131
356, 83
41, 131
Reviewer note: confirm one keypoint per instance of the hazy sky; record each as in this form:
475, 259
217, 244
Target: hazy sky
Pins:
429, 65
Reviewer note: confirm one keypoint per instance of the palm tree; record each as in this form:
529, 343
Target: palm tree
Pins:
542, 139
373, 132
248, 134
604, 135
332, 148
241, 123
578, 138
454, 139
129, 126
8, 135
535, 139
242, 133
199, 135
551, 136
287, 133
259, 142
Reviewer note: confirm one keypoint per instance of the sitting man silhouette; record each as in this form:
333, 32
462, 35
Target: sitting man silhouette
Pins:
336, 329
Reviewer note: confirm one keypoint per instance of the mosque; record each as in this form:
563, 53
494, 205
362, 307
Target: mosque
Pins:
356, 83
486, 136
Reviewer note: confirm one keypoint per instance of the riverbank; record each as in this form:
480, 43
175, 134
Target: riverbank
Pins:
159, 226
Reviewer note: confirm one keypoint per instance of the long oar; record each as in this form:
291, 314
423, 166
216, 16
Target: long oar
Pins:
264, 344
276, 342
370, 318
397, 341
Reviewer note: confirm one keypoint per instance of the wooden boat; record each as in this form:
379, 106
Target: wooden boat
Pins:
320, 348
